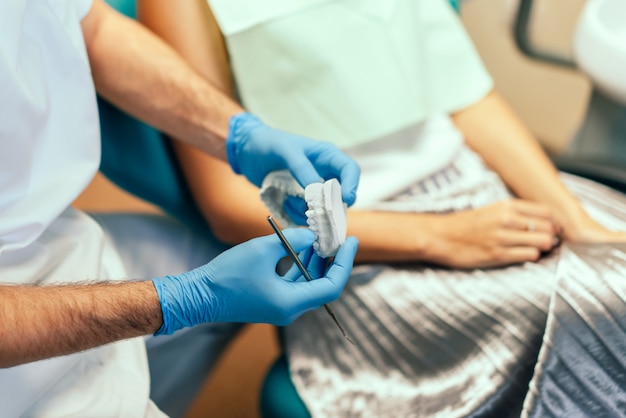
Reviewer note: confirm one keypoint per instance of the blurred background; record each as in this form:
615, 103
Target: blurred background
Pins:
553, 100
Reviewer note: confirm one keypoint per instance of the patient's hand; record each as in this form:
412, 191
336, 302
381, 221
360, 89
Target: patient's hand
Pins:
587, 230
507, 232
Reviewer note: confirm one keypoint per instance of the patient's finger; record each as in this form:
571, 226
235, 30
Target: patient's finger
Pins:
529, 223
531, 239
521, 254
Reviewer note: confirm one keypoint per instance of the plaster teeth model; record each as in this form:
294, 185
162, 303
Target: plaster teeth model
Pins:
326, 215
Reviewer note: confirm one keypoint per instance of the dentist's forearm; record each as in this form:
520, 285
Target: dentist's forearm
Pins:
38, 322
141, 74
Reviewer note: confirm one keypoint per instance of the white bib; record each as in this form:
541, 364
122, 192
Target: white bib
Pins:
348, 71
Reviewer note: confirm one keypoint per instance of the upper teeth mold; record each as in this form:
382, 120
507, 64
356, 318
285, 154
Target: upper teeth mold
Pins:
326, 214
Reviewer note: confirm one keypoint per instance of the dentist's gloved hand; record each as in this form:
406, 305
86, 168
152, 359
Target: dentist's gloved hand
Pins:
241, 285
295, 207
254, 149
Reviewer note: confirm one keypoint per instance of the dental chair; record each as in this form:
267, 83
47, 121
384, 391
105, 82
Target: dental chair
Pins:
140, 159
145, 166
598, 150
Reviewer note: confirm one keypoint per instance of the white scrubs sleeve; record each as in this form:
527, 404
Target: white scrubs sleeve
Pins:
82, 7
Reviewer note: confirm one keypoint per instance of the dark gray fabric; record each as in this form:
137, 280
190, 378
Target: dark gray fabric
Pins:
582, 366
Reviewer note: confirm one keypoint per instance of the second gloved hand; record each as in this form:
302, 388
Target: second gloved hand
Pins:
254, 150
241, 285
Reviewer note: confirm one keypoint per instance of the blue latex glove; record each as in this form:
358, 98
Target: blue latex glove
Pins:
254, 150
315, 265
296, 208
241, 285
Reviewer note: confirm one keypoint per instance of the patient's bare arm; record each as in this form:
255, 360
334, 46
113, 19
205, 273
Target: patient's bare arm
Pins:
38, 322
495, 132
491, 236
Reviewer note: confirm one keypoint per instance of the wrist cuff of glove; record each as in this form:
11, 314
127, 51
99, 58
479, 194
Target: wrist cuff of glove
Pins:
166, 327
238, 129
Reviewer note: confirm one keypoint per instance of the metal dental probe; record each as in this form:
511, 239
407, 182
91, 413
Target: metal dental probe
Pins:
304, 271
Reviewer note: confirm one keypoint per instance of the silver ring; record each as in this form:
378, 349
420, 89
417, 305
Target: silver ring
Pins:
531, 225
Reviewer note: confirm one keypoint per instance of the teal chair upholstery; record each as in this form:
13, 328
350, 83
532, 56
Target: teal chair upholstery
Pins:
126, 7
140, 160
279, 398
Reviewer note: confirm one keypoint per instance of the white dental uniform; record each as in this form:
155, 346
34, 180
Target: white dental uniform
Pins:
49, 151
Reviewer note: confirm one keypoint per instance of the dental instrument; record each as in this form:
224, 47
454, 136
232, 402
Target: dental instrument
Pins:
304, 272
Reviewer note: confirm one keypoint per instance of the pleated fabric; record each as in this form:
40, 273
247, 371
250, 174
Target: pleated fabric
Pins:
581, 370
437, 342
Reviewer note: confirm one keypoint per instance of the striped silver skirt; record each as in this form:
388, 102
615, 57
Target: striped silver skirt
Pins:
437, 342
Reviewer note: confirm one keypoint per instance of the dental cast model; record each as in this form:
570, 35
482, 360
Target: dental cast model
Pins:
326, 215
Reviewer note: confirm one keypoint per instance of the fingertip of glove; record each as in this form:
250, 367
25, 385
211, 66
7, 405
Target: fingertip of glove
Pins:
351, 244
299, 234
353, 240
350, 198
